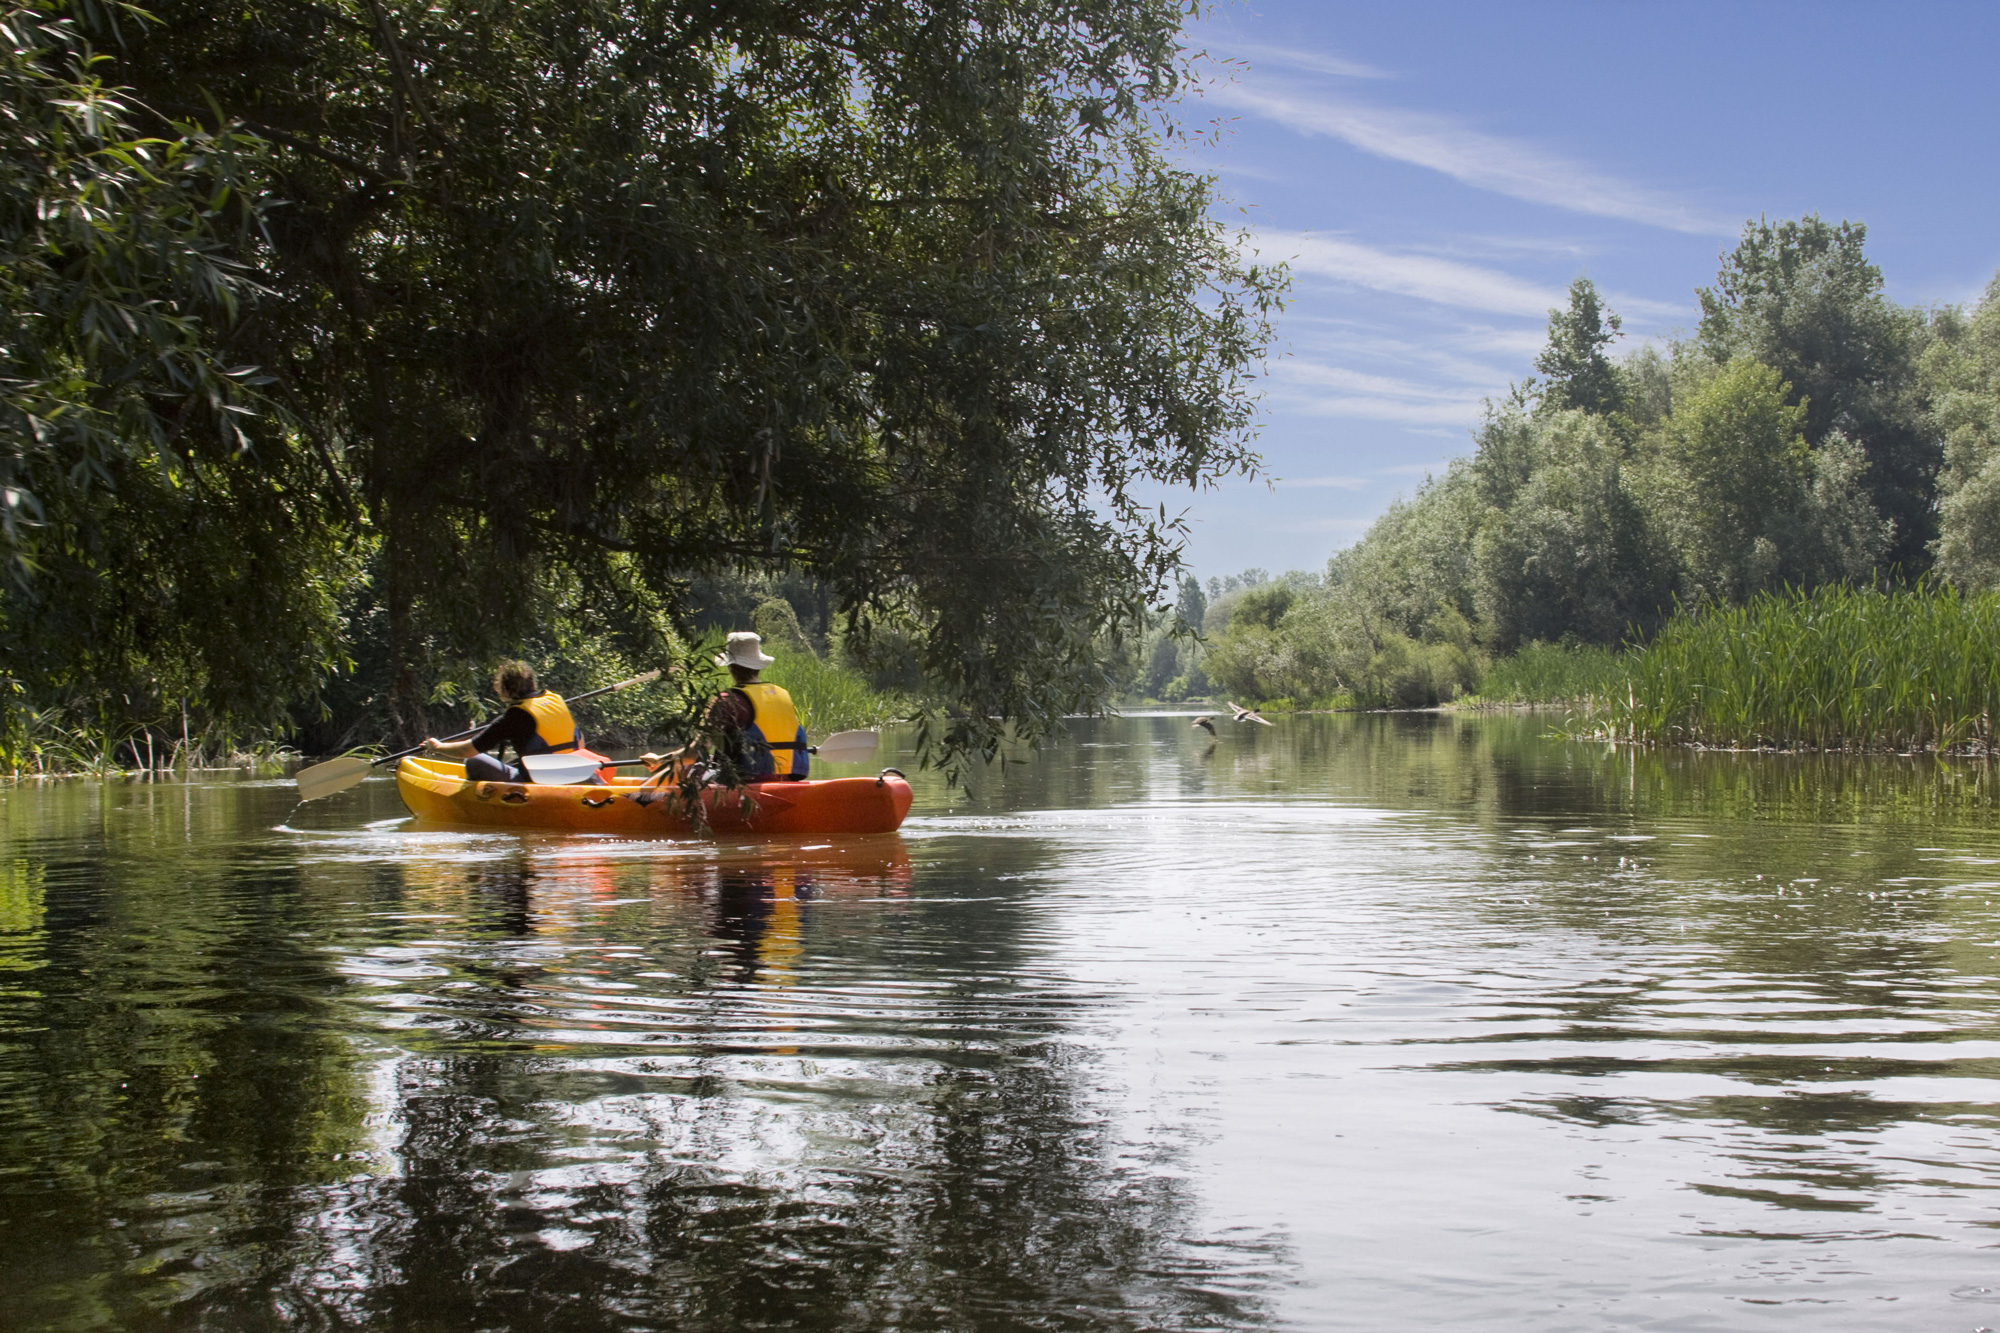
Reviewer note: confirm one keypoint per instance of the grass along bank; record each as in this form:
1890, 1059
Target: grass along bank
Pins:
829, 695
1552, 673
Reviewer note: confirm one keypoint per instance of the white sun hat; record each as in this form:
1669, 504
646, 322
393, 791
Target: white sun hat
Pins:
744, 649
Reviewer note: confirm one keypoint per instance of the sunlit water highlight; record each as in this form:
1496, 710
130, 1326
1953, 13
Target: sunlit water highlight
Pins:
1349, 1023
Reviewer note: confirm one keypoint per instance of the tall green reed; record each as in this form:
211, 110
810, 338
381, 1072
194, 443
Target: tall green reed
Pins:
65, 740
1553, 673
1836, 668
830, 697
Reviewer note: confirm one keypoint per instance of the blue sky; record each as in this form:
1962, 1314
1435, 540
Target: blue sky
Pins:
1437, 173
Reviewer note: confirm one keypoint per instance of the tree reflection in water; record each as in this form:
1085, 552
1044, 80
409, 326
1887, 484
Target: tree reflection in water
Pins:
547, 1088
828, 1149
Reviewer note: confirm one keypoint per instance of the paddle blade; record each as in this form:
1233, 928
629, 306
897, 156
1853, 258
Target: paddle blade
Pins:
332, 776
848, 747
560, 770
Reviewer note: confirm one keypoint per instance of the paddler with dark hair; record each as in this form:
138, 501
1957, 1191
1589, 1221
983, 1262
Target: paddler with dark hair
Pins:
537, 721
757, 720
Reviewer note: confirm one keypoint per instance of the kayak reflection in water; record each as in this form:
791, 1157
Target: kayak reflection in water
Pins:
537, 721
744, 903
763, 739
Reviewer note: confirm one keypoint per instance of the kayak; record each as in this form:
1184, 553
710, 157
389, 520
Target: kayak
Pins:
437, 791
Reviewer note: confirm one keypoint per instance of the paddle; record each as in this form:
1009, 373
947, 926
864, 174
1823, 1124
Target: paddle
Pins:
843, 747
560, 770
337, 775
847, 747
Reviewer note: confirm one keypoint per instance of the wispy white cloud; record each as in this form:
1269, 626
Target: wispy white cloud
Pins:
1512, 343
1484, 161
1415, 469
1316, 61
1447, 348
1368, 408
1426, 277
1493, 247
1346, 527
1355, 381
1433, 397
1237, 169
1645, 310
1337, 483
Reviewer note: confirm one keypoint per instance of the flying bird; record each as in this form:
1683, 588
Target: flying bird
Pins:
1248, 715
1207, 724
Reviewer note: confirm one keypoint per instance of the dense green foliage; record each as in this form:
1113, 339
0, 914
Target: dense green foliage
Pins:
558, 310
1802, 298
1811, 433
1962, 380
166, 548
1575, 370
1836, 668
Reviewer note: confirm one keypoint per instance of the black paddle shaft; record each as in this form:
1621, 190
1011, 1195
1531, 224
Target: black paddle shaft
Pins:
478, 727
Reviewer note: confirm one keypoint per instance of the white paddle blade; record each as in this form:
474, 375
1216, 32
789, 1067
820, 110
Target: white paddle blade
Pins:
560, 770
848, 747
332, 776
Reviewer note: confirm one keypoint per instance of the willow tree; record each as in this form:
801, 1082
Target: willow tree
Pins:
908, 297
161, 528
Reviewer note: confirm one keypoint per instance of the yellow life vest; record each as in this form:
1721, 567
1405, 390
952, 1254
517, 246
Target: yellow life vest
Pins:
555, 729
775, 728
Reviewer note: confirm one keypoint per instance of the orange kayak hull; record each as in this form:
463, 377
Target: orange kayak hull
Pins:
437, 792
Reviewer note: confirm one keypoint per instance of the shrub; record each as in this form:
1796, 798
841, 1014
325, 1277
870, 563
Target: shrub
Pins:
777, 625
1405, 673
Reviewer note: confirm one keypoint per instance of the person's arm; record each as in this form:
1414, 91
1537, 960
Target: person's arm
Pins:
730, 710
510, 728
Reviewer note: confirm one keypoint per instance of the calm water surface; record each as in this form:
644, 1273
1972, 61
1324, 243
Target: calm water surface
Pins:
1350, 1023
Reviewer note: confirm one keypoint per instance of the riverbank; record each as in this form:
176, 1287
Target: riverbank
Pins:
1838, 668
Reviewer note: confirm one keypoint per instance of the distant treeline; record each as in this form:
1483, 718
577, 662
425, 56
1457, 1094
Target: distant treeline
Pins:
1809, 432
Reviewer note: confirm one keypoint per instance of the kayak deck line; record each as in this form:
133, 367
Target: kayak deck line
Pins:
439, 792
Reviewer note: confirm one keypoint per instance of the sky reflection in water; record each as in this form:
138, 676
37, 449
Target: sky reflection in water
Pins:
1348, 1023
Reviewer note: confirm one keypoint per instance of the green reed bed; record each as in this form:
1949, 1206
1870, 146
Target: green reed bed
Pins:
1837, 668
830, 697
67, 741
1541, 673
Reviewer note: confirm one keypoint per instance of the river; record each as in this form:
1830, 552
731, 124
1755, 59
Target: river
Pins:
1352, 1022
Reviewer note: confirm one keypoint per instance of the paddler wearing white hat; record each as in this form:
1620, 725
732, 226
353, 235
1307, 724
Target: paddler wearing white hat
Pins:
758, 720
